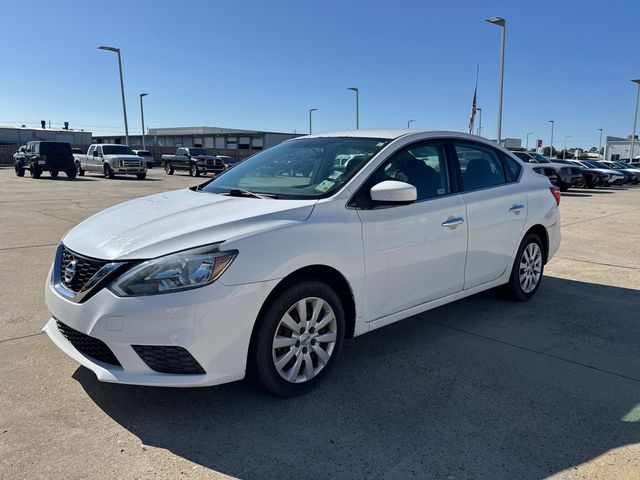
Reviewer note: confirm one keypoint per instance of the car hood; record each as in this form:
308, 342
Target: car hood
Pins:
159, 224
122, 157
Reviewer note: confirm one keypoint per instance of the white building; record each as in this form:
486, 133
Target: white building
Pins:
617, 148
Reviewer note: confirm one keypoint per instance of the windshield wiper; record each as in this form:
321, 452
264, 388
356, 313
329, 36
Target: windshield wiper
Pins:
239, 192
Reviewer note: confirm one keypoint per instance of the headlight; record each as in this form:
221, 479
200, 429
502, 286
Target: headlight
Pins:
179, 271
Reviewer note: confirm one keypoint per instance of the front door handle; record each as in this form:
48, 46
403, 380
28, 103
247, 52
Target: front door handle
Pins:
453, 222
516, 208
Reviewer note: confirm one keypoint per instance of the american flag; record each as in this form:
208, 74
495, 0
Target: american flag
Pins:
473, 110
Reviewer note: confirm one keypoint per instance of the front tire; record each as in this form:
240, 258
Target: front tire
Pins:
141, 176
71, 172
79, 170
19, 170
108, 171
528, 267
194, 171
297, 339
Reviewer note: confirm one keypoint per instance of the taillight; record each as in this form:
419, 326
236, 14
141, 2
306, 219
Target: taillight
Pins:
555, 191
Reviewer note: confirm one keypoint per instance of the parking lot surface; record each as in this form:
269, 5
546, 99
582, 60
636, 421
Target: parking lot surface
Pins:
482, 388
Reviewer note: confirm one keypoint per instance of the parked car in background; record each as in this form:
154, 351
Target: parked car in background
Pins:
624, 168
228, 161
20, 153
269, 275
41, 156
548, 172
146, 156
615, 177
626, 177
568, 176
592, 178
196, 161
111, 160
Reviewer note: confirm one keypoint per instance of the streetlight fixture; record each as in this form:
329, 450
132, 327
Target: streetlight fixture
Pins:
600, 155
479, 122
409, 123
552, 122
310, 125
144, 147
354, 89
124, 106
564, 152
527, 144
501, 22
635, 118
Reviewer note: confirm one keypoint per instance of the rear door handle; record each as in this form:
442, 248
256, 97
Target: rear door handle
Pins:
517, 208
453, 222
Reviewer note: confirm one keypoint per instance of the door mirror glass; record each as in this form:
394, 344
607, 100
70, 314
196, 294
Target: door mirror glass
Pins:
392, 191
95, 153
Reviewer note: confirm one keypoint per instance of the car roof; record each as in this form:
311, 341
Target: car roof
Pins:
394, 133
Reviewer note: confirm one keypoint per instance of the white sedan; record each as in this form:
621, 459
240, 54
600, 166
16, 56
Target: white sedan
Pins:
269, 267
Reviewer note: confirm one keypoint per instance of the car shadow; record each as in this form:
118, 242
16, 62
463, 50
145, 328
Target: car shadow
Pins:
123, 177
593, 190
63, 178
575, 194
480, 388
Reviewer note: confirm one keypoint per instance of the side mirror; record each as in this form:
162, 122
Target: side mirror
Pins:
95, 153
391, 191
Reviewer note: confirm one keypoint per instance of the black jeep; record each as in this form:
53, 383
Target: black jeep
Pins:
54, 157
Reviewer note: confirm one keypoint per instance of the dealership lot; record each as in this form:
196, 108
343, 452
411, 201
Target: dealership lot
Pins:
483, 388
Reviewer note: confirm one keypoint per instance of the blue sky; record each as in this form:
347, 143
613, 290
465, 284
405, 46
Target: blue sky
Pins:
262, 64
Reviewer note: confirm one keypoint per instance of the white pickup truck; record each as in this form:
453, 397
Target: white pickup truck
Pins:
111, 160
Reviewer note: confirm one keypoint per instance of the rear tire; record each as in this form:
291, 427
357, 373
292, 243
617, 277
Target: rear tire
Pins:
19, 170
168, 168
527, 270
34, 170
297, 339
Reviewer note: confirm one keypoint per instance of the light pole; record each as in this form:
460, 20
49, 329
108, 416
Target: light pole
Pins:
527, 147
479, 122
144, 146
635, 118
564, 152
310, 125
502, 23
124, 106
409, 123
354, 89
600, 146
552, 122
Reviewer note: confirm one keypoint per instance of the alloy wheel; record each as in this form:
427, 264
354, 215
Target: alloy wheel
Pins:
530, 267
304, 340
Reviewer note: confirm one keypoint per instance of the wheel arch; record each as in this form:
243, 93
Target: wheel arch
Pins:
541, 232
325, 274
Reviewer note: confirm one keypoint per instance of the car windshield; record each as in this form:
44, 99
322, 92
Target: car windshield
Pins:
540, 158
196, 152
117, 150
304, 168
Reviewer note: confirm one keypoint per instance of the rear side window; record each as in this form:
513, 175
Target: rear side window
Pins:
481, 166
511, 166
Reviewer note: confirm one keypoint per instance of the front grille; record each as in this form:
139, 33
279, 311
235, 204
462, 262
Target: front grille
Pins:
91, 347
85, 268
168, 359
130, 163
219, 163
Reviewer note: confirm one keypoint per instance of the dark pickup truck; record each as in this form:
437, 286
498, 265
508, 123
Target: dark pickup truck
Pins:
39, 156
196, 161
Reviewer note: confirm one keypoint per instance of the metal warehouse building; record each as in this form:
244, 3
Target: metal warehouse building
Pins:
22, 135
207, 137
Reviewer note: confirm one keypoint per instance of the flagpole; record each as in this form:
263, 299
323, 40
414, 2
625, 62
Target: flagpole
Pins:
474, 103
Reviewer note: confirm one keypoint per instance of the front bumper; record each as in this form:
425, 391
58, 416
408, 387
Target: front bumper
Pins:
129, 170
213, 323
